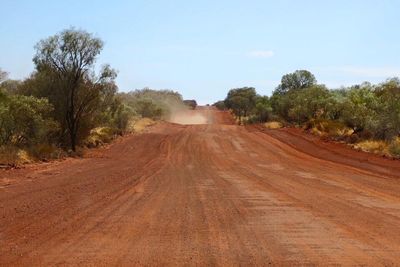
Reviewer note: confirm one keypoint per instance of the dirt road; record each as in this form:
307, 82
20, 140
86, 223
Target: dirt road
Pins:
215, 194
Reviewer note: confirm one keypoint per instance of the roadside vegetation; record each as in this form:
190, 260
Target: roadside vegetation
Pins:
65, 104
154, 104
366, 116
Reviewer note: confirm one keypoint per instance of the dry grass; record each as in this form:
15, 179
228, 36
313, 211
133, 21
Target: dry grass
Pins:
394, 147
14, 156
373, 146
45, 152
273, 125
329, 128
103, 135
140, 125
100, 136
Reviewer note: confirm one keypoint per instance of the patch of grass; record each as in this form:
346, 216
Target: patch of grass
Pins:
103, 135
373, 146
140, 125
273, 125
14, 156
394, 147
45, 152
100, 136
328, 128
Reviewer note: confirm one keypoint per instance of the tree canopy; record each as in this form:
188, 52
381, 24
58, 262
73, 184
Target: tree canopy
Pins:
299, 79
241, 101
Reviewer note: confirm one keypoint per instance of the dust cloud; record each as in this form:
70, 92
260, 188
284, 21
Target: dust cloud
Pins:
182, 114
188, 117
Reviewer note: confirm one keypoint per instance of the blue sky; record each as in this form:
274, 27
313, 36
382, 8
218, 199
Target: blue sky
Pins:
204, 48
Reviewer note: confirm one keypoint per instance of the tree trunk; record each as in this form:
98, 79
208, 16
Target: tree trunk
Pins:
73, 140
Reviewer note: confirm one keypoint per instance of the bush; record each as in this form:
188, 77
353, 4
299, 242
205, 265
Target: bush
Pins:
100, 136
122, 117
241, 101
360, 109
373, 146
273, 125
25, 120
154, 104
389, 109
45, 152
10, 156
394, 147
263, 110
149, 109
220, 105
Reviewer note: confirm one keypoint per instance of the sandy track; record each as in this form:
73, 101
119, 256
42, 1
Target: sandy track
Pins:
215, 194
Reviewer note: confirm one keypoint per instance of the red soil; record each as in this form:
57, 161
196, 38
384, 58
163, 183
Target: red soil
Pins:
213, 194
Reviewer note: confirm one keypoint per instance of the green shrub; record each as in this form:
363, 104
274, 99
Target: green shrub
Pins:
262, 109
153, 104
220, 105
360, 109
394, 147
241, 101
25, 120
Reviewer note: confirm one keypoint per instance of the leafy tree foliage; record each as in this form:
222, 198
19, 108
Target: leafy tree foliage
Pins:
241, 101
389, 111
25, 120
310, 103
220, 105
360, 109
302, 105
299, 79
262, 109
65, 63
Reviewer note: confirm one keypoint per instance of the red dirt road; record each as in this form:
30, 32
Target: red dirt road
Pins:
215, 194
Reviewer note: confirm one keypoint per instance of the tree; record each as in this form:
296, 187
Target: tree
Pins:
389, 111
310, 103
263, 109
299, 79
360, 109
220, 105
241, 101
67, 60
